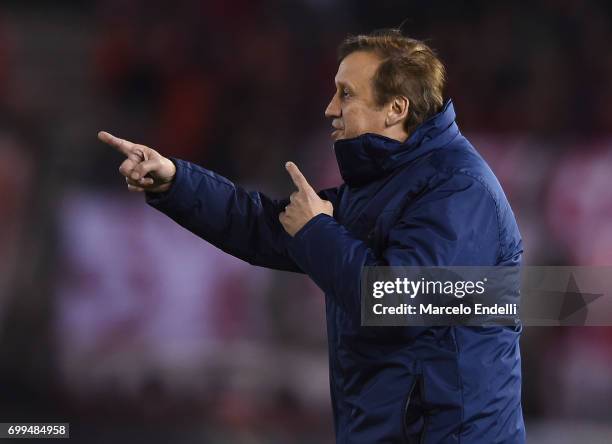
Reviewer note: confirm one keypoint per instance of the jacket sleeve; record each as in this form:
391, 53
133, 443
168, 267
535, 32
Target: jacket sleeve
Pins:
242, 223
454, 224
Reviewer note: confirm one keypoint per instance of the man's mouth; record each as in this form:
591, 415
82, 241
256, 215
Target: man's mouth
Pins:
336, 133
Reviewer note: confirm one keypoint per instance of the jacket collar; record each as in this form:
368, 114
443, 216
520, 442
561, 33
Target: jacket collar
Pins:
370, 156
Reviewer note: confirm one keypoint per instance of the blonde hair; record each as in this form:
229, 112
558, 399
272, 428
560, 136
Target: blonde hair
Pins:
408, 68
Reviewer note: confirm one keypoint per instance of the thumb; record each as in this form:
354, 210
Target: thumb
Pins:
144, 168
297, 177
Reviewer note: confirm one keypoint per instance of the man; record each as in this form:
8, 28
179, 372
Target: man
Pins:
415, 192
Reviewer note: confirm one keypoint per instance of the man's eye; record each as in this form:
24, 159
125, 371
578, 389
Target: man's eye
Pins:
345, 92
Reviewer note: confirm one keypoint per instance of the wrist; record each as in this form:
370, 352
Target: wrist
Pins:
171, 168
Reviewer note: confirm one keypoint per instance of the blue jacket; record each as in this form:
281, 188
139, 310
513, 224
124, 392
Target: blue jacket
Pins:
388, 384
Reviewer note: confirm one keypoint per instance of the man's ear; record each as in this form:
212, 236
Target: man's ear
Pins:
397, 110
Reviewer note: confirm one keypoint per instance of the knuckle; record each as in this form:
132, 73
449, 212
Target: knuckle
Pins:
125, 166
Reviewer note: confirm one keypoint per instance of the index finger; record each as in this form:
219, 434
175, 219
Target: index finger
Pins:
121, 145
297, 177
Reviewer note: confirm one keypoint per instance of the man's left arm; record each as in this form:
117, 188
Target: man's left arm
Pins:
454, 224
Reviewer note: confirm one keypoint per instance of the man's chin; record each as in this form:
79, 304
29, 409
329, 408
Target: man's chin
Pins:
337, 135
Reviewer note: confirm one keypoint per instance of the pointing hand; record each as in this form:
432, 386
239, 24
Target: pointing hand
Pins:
304, 203
144, 168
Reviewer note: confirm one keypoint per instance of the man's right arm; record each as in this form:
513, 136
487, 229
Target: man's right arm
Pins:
243, 224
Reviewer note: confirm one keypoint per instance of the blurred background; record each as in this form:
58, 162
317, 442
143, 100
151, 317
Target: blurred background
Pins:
118, 321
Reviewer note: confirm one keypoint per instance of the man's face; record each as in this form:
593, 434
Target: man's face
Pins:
353, 108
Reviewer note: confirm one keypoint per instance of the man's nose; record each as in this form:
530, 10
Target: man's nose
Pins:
333, 108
